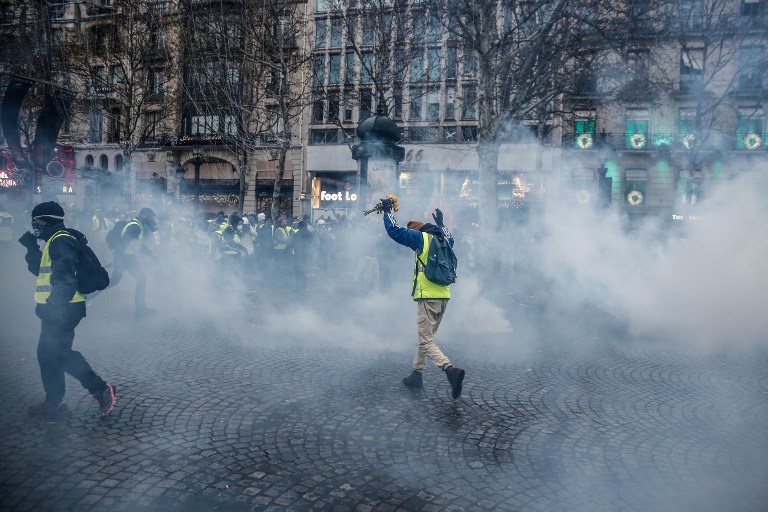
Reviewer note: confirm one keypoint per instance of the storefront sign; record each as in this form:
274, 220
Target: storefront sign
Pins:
338, 196
6, 181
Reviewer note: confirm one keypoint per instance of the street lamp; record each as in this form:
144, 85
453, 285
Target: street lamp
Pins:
605, 183
197, 159
180, 171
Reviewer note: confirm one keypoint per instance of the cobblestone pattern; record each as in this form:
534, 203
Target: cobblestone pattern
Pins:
205, 422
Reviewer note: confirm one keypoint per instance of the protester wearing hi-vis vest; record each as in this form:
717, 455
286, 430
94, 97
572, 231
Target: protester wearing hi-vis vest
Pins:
60, 308
134, 240
431, 298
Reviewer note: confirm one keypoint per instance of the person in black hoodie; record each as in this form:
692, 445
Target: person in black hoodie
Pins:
60, 308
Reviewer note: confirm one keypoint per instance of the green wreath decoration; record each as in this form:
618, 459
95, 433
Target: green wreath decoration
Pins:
584, 141
637, 141
752, 141
635, 198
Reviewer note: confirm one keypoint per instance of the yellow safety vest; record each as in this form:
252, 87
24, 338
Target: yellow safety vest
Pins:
43, 289
423, 288
235, 238
135, 244
281, 244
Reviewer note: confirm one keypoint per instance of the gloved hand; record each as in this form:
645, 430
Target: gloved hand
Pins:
387, 204
438, 216
28, 240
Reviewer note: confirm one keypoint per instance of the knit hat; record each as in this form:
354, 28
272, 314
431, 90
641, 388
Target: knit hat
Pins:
50, 209
146, 213
415, 225
262, 217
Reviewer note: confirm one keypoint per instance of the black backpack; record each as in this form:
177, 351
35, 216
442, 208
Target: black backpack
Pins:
114, 236
91, 274
440, 267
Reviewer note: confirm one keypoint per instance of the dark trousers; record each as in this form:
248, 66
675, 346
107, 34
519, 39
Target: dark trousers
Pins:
130, 263
55, 355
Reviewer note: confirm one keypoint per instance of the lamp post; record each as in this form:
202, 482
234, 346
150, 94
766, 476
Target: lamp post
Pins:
180, 171
605, 183
197, 159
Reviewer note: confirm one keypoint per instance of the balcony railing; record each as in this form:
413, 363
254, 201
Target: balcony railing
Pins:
657, 141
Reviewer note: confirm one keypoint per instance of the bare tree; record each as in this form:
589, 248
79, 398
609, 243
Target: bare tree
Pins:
247, 62
123, 59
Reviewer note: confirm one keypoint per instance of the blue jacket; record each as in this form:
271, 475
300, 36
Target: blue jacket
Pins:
410, 237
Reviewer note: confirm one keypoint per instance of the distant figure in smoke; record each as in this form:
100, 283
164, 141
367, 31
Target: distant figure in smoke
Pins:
60, 308
134, 238
229, 246
431, 298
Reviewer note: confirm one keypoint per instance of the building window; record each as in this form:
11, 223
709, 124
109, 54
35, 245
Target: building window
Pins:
349, 68
750, 133
152, 124
417, 66
334, 69
469, 102
433, 105
451, 64
333, 107
319, 70
691, 69
366, 104
422, 134
450, 102
469, 133
321, 5
118, 163
434, 60
320, 31
636, 135
752, 60
114, 126
635, 181
104, 162
349, 106
324, 136
366, 67
337, 26
204, 125
98, 79
686, 127
584, 130
317, 109
416, 101
156, 82
96, 122
751, 13
449, 135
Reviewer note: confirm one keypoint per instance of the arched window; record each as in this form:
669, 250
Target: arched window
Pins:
118, 163
104, 162
89, 161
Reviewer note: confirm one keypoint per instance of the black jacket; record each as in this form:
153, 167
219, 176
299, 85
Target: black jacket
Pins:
64, 258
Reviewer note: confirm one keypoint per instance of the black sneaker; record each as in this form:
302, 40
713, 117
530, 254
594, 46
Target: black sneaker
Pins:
414, 380
455, 377
47, 410
106, 399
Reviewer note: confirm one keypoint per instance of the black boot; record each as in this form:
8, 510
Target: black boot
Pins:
455, 377
414, 380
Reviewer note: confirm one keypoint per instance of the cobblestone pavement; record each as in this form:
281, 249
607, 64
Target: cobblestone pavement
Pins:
211, 420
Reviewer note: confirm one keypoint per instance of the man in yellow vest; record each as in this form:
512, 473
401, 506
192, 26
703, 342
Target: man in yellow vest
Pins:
431, 298
60, 308
134, 239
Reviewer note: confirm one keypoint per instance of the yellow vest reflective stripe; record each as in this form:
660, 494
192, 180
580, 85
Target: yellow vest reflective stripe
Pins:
235, 238
423, 288
43, 289
134, 245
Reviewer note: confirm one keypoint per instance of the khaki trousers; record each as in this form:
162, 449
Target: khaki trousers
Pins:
428, 318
